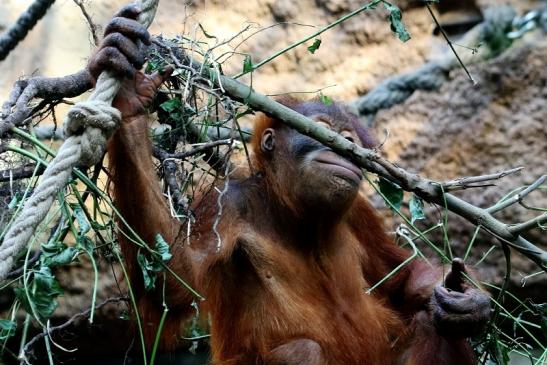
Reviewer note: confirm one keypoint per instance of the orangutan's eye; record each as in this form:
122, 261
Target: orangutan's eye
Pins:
348, 135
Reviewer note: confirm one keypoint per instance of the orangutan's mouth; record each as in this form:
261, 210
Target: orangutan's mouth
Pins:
339, 165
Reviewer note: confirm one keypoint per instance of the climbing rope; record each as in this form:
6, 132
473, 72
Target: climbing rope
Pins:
495, 34
88, 126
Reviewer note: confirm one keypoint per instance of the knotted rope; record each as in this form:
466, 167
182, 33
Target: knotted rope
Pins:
87, 127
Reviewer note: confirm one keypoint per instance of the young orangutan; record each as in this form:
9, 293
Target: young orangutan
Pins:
299, 246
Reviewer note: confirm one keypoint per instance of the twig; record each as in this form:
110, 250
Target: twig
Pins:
93, 28
449, 42
368, 6
517, 197
528, 225
23, 25
203, 147
469, 182
71, 320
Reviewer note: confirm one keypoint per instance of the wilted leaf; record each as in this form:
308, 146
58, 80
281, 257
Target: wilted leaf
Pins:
86, 244
396, 21
162, 247
150, 267
416, 206
61, 257
392, 192
83, 223
315, 46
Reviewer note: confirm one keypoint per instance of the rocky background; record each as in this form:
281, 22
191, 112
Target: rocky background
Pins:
458, 130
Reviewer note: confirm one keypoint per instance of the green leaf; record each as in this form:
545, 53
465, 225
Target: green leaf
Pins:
325, 99
315, 46
247, 64
396, 21
147, 269
171, 105
392, 192
56, 253
416, 206
62, 258
7, 328
151, 267
162, 247
42, 293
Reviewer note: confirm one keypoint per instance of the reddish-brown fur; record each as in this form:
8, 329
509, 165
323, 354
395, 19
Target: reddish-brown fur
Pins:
282, 289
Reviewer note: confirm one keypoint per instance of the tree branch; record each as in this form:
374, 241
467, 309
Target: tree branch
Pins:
27, 21
22, 172
17, 109
528, 225
472, 181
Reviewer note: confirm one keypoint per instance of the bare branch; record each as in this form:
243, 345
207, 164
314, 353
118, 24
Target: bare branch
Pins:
470, 182
517, 197
16, 109
528, 225
23, 25
203, 147
22, 172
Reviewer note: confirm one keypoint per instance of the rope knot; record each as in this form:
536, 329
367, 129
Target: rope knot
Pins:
94, 121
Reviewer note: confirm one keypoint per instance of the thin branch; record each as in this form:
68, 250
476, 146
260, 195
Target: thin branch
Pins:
517, 197
450, 44
16, 109
93, 28
365, 7
470, 182
11, 38
22, 172
528, 225
203, 147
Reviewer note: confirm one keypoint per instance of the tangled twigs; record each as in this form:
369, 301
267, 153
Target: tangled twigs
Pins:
27, 350
17, 108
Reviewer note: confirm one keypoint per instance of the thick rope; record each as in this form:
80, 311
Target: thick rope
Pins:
491, 33
88, 126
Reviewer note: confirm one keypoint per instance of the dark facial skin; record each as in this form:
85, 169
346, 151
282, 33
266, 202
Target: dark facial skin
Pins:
322, 180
